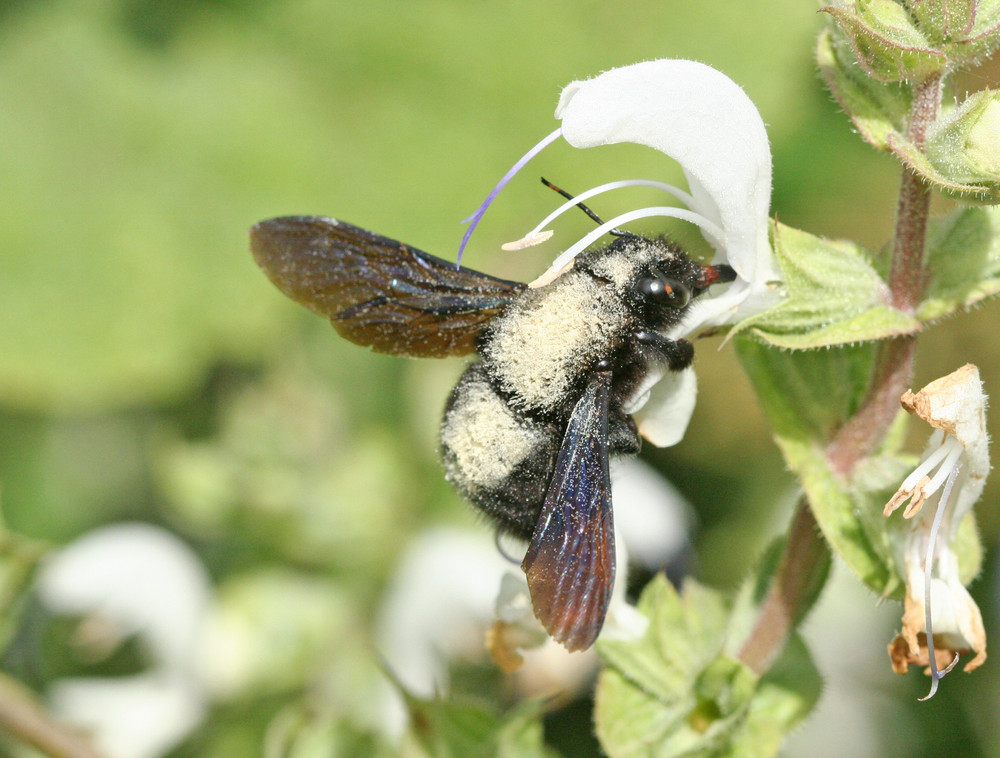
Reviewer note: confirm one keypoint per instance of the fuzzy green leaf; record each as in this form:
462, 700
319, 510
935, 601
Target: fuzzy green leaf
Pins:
834, 296
679, 691
938, 175
806, 396
963, 259
876, 108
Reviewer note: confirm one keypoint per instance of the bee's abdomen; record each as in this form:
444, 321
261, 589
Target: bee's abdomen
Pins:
499, 458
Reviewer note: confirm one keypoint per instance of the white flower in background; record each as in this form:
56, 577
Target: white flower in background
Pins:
940, 618
702, 119
440, 604
133, 579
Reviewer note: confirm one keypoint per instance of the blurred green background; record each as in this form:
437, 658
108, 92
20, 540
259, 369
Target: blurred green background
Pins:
148, 371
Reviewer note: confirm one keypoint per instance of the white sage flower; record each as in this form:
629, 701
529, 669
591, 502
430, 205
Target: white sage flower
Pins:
129, 579
702, 119
940, 618
453, 590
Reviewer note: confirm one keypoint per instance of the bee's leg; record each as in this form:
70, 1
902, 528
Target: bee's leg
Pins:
677, 354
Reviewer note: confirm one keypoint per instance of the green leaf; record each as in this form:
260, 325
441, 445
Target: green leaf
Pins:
679, 691
673, 692
963, 261
877, 109
806, 396
834, 296
939, 175
886, 42
453, 729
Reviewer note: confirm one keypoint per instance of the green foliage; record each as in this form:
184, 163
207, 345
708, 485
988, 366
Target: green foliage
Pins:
833, 295
876, 109
806, 396
963, 260
679, 690
886, 42
452, 729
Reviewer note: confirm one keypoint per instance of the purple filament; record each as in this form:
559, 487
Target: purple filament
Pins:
475, 217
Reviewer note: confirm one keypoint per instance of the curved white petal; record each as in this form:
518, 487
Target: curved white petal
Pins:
665, 415
702, 119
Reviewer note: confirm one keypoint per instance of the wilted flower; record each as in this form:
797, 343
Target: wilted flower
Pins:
704, 121
940, 618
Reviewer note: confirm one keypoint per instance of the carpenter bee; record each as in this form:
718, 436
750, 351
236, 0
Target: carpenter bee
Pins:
528, 429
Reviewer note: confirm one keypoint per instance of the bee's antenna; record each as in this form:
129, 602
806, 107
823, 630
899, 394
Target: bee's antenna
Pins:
584, 208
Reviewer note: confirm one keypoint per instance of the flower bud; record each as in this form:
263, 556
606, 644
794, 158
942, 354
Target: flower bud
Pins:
886, 40
966, 31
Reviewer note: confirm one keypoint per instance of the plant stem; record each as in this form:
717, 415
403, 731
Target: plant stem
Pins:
806, 557
894, 359
799, 579
22, 718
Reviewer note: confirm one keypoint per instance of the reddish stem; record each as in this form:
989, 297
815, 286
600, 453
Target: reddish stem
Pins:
894, 359
806, 558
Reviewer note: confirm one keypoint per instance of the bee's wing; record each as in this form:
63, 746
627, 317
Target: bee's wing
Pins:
377, 291
570, 563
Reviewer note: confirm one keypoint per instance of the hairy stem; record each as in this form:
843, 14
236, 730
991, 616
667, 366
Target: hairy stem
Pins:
22, 718
806, 558
800, 576
894, 360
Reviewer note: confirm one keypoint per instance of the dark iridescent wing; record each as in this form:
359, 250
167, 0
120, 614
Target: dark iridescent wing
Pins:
570, 563
377, 291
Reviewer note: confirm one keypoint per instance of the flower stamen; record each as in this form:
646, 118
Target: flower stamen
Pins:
924, 481
574, 250
936, 675
481, 210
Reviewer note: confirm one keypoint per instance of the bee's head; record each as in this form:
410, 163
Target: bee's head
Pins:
665, 277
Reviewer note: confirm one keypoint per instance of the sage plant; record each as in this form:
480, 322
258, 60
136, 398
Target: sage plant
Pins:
828, 333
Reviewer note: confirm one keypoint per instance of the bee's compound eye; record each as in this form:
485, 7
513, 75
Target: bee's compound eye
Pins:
666, 292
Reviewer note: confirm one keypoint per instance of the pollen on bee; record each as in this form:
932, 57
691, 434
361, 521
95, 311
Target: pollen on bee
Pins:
485, 440
564, 328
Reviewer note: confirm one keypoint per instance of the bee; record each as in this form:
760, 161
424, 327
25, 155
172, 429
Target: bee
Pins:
528, 429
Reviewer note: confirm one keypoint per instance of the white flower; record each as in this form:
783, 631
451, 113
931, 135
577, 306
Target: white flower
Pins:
940, 618
442, 602
133, 579
704, 121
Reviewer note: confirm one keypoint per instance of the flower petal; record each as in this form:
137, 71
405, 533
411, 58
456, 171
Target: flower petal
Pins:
702, 119
956, 404
663, 413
